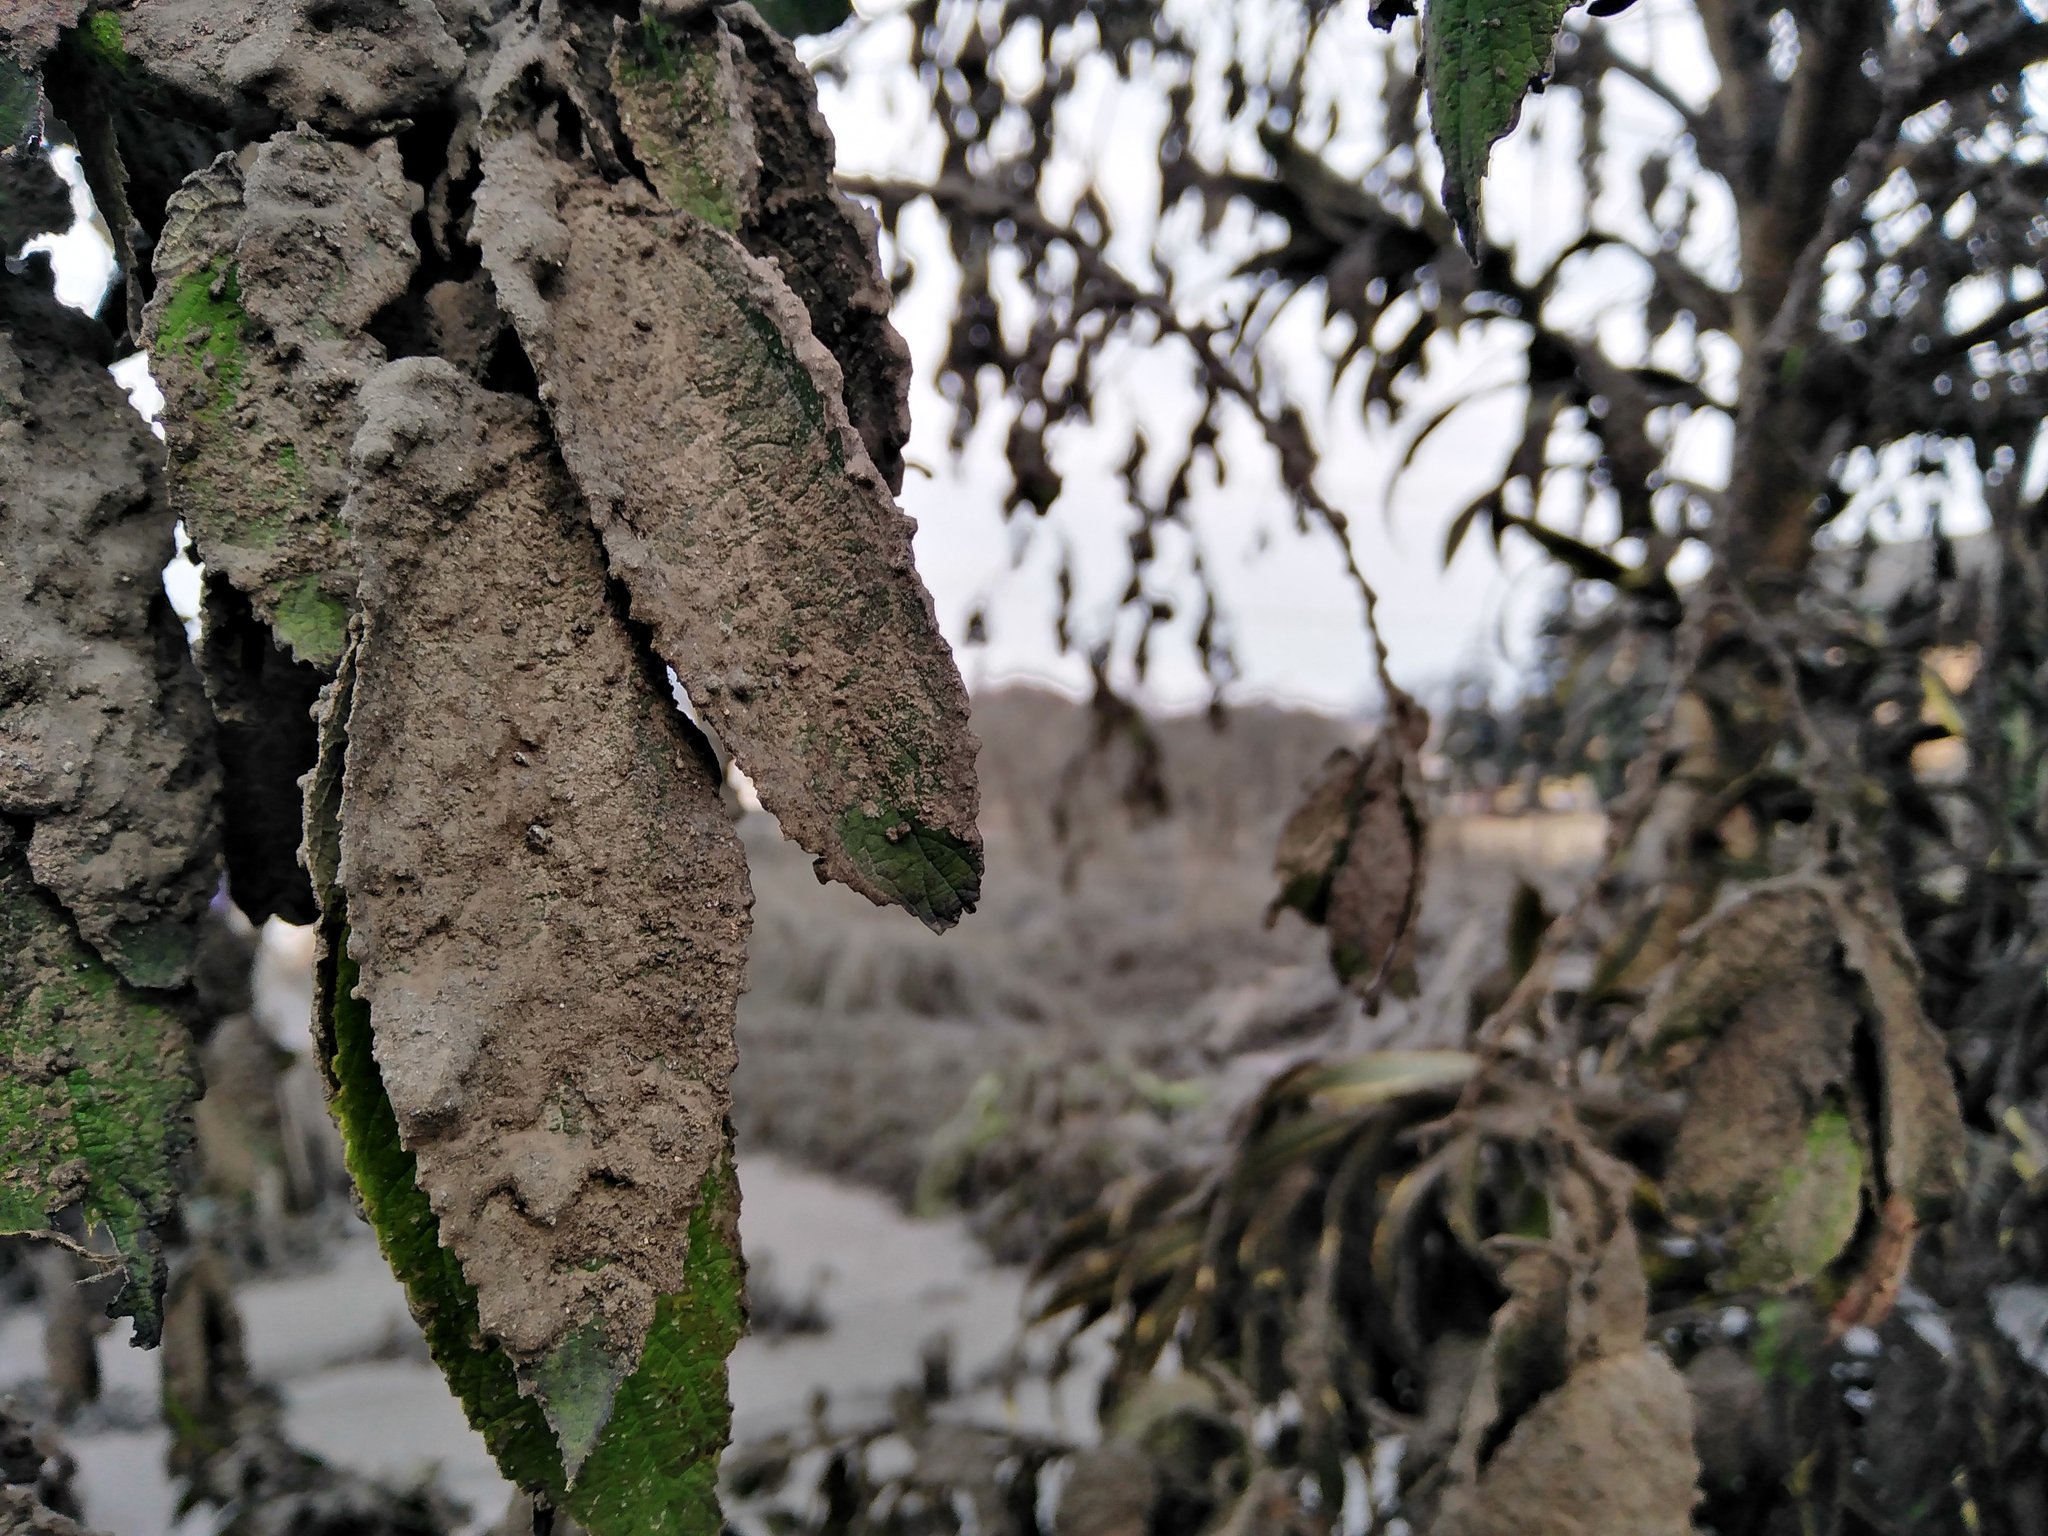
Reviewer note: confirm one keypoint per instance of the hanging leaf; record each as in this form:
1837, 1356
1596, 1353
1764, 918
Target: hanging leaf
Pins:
1480, 58
105, 744
704, 423
1926, 1148
267, 282
547, 905
96, 1084
725, 118
269, 64
1351, 856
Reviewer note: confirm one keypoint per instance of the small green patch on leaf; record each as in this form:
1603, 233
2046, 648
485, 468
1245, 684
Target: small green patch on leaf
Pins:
312, 621
577, 1385
100, 36
1802, 1226
927, 872
804, 18
21, 96
1479, 59
95, 1088
204, 320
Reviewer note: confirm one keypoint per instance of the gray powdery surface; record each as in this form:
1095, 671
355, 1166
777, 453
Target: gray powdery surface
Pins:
105, 741
704, 423
267, 281
337, 65
546, 898
725, 119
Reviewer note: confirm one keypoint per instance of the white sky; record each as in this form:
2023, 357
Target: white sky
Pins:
1293, 619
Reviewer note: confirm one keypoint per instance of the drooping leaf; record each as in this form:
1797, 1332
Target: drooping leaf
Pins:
1351, 856
652, 1471
96, 1083
725, 118
105, 742
706, 427
548, 906
1480, 59
266, 281
1925, 1145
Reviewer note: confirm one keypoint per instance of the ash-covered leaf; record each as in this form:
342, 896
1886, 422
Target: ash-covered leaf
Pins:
1760, 1025
1610, 1450
653, 1469
725, 118
1351, 856
346, 67
1926, 1148
704, 423
1480, 58
267, 281
545, 896
1573, 1424
96, 1085
105, 742
29, 29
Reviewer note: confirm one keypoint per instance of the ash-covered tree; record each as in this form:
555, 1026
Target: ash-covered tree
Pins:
519, 359
1734, 1216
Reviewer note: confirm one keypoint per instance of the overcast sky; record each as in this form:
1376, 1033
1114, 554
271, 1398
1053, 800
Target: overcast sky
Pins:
1294, 622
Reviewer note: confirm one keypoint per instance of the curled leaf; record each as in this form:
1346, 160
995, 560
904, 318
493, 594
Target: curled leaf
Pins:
1351, 855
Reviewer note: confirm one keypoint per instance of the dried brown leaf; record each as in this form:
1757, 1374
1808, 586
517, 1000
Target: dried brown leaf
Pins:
545, 895
1351, 856
704, 423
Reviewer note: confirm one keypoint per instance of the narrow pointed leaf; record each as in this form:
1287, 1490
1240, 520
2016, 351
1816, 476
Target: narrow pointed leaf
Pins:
1480, 58
705, 423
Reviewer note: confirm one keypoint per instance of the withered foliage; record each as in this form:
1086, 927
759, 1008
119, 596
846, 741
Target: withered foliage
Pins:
1791, 1040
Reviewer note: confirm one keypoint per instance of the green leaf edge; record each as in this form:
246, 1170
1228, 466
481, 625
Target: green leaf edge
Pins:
653, 1471
156, 1110
1475, 94
925, 870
